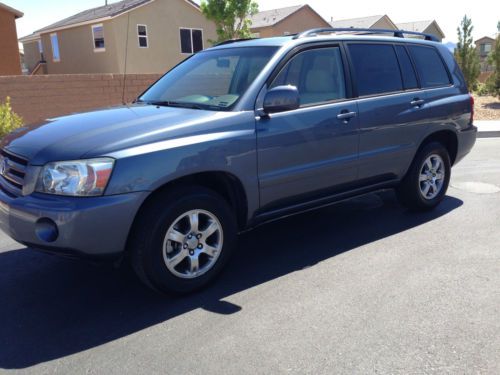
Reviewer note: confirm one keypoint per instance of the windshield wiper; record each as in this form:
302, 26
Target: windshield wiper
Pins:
169, 103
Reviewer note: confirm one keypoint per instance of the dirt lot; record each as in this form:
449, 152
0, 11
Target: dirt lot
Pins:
486, 108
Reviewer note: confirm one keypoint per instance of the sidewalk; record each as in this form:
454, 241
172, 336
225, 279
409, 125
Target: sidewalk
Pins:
487, 129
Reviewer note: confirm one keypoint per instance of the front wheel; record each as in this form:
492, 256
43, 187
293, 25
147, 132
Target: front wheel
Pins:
426, 182
182, 239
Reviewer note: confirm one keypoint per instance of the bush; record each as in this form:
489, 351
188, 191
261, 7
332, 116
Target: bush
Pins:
8, 119
482, 89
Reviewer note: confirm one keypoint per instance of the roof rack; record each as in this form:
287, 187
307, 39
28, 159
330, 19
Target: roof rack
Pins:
395, 33
229, 41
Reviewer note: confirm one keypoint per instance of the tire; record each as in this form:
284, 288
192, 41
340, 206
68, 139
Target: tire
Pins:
420, 178
170, 263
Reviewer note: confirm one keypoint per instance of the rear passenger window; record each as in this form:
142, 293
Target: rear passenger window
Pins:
376, 68
318, 74
407, 71
430, 67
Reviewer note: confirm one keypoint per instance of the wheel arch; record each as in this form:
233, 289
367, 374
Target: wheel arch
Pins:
448, 138
224, 183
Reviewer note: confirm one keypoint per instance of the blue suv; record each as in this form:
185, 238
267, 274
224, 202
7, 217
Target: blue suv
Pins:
234, 136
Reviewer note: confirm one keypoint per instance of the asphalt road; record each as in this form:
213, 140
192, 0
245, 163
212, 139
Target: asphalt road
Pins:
360, 287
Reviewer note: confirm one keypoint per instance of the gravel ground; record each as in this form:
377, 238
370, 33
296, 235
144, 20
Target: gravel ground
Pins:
486, 108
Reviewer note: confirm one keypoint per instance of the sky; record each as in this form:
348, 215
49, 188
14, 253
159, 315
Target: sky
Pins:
484, 13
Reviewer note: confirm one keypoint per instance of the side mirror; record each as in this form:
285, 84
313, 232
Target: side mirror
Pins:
281, 99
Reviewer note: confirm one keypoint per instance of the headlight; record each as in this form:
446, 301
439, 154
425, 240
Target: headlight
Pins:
76, 177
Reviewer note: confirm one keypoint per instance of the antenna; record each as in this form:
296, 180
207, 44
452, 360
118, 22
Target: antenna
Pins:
125, 64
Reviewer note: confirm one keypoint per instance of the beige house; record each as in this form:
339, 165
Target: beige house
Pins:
484, 46
286, 21
427, 27
384, 22
10, 63
132, 36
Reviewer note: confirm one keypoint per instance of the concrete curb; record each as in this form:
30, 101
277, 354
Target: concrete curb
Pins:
488, 129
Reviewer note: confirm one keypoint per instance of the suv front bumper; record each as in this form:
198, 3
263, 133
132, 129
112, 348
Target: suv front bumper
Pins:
72, 226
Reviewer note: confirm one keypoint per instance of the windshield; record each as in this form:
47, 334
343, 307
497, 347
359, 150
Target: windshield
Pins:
212, 79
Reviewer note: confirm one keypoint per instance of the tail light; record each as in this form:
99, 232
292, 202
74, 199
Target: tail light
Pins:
471, 108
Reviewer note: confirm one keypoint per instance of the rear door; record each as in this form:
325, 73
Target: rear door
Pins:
391, 116
445, 103
305, 152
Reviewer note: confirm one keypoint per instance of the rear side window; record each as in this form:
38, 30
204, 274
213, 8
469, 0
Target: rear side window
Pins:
430, 67
376, 68
407, 71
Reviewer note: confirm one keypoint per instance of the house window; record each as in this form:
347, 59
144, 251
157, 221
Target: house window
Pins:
56, 57
142, 34
98, 37
485, 48
40, 46
191, 40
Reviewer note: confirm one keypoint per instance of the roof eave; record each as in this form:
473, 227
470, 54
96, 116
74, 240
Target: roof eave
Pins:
15, 12
90, 22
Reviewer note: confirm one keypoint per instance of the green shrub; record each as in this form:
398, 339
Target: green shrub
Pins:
482, 89
8, 119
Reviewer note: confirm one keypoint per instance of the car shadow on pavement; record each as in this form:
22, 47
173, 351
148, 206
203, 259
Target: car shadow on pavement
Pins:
51, 307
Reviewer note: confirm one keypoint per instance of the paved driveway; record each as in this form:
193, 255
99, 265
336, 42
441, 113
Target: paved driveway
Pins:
360, 287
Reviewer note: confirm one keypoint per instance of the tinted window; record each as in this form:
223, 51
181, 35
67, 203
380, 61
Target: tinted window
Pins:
191, 40
142, 34
376, 68
430, 67
197, 40
186, 46
407, 72
318, 75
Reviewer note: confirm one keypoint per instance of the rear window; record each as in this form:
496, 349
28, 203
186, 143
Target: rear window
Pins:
430, 67
376, 68
407, 71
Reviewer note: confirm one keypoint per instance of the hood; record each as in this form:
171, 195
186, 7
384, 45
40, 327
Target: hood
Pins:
101, 132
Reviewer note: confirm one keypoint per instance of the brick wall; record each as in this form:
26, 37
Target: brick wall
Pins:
36, 98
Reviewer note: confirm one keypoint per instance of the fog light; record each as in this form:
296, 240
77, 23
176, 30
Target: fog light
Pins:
46, 229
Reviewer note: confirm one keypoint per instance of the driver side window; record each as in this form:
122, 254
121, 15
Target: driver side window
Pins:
318, 74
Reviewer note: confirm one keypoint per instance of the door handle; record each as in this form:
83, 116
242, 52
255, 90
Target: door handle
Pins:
346, 116
417, 102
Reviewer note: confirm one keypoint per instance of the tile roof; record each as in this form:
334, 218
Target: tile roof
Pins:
419, 26
110, 10
272, 17
360, 22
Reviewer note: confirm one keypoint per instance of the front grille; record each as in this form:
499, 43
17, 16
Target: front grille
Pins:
12, 172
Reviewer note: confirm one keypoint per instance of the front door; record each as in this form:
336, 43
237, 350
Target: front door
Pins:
312, 149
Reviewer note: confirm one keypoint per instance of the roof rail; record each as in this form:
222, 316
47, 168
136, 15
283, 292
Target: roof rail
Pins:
395, 33
229, 41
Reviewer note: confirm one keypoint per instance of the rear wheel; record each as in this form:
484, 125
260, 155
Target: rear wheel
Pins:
426, 182
182, 239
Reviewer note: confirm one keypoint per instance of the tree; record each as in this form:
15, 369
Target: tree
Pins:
493, 83
8, 119
231, 17
465, 53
